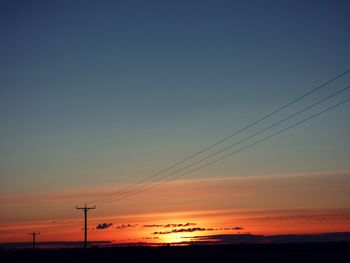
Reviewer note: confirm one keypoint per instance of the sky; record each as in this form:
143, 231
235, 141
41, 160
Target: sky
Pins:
97, 95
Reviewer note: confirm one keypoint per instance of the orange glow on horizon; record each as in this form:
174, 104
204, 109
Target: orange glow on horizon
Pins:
175, 228
306, 204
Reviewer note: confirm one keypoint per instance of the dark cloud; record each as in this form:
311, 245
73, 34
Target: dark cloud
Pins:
231, 228
125, 226
195, 229
249, 238
171, 225
228, 239
104, 225
179, 225
153, 225
182, 230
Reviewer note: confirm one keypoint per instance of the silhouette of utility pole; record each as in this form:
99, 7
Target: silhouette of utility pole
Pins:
34, 235
85, 209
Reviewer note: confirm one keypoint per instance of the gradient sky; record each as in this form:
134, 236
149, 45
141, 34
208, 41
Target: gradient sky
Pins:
98, 94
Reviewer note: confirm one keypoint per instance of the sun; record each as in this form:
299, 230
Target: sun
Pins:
173, 238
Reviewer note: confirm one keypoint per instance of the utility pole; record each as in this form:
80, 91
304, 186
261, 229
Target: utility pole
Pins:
34, 234
85, 209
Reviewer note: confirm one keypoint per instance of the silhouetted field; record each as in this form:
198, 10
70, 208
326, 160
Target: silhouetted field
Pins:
316, 252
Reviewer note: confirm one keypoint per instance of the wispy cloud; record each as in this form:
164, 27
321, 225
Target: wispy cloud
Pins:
126, 226
150, 238
153, 225
182, 230
170, 225
195, 229
230, 228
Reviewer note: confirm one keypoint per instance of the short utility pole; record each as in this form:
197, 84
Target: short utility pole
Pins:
85, 209
34, 234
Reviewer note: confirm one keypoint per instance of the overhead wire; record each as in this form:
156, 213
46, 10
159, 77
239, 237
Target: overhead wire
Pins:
244, 139
237, 151
107, 196
131, 190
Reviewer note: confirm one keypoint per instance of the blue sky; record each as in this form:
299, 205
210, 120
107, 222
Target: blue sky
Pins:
98, 92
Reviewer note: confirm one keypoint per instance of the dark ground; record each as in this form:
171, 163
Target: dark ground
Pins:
316, 252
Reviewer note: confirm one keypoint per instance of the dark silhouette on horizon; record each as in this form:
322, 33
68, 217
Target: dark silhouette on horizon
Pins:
86, 210
34, 234
303, 252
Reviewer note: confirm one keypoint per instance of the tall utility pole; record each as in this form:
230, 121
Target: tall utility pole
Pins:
85, 209
34, 234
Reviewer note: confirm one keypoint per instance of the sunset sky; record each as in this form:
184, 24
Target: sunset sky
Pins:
98, 95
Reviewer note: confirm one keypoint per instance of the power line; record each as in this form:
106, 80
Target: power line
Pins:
238, 142
59, 225
237, 151
124, 191
100, 199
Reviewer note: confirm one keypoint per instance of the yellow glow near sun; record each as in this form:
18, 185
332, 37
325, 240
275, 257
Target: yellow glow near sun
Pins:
172, 238
176, 237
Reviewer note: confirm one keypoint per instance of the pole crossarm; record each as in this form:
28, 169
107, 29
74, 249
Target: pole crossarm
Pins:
86, 208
